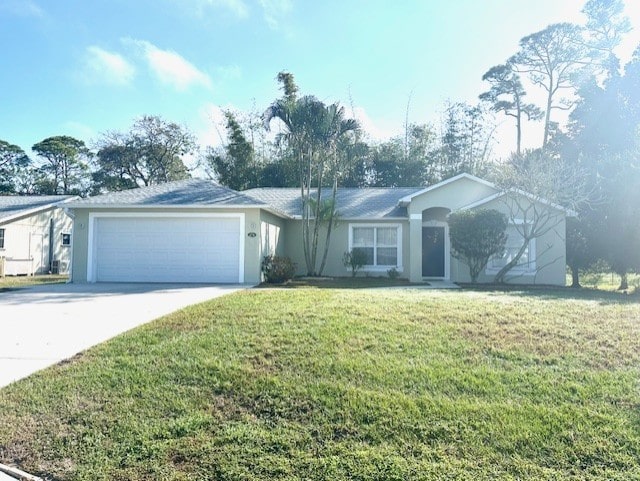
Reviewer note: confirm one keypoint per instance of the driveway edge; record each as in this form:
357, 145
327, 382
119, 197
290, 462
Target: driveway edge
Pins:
18, 474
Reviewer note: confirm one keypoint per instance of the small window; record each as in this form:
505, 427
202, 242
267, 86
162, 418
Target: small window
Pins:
1, 238
66, 239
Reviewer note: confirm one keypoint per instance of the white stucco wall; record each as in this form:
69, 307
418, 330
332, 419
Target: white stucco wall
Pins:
550, 254
339, 244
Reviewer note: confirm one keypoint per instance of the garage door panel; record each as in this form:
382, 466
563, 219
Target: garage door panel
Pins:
167, 249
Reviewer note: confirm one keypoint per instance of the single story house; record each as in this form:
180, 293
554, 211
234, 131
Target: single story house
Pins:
198, 231
35, 234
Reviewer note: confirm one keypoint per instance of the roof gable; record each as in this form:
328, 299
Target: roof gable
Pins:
407, 199
521, 193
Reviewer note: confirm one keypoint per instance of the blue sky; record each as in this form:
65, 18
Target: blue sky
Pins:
79, 68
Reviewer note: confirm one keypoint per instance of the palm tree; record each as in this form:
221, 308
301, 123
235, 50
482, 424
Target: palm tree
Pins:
335, 128
312, 131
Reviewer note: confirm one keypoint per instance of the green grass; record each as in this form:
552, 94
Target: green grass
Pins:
322, 384
11, 282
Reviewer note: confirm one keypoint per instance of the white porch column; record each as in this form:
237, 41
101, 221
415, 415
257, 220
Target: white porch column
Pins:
415, 246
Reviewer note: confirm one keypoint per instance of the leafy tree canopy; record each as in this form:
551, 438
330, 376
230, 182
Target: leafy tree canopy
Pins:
13, 161
151, 152
235, 166
603, 139
65, 166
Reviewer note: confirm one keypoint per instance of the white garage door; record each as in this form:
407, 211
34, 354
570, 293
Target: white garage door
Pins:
167, 249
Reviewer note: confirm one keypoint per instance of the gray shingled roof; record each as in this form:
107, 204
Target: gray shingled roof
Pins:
190, 192
351, 203
12, 206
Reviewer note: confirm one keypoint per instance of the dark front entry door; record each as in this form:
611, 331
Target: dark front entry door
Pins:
433, 252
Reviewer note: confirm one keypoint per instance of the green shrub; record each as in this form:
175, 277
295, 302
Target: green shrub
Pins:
476, 236
393, 273
355, 259
277, 270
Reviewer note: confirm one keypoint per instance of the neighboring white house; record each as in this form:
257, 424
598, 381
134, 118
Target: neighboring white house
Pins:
35, 234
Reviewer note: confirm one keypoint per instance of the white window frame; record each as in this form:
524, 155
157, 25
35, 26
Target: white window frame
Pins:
3, 237
522, 270
375, 267
62, 241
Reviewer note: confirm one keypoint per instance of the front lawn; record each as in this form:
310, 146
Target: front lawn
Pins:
324, 384
11, 282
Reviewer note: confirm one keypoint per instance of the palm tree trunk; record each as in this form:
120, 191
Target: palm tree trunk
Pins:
334, 192
317, 218
304, 198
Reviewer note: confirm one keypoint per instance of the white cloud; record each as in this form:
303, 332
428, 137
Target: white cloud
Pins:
209, 129
375, 130
275, 10
80, 131
171, 68
104, 66
237, 7
211, 125
22, 8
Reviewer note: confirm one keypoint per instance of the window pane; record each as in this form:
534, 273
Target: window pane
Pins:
368, 252
514, 243
387, 236
514, 238
512, 246
524, 259
363, 236
499, 262
387, 256
1, 238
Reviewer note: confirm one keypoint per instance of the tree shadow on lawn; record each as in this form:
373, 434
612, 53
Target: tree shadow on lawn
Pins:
558, 293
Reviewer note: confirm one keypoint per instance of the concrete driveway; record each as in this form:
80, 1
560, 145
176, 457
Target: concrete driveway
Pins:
42, 325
